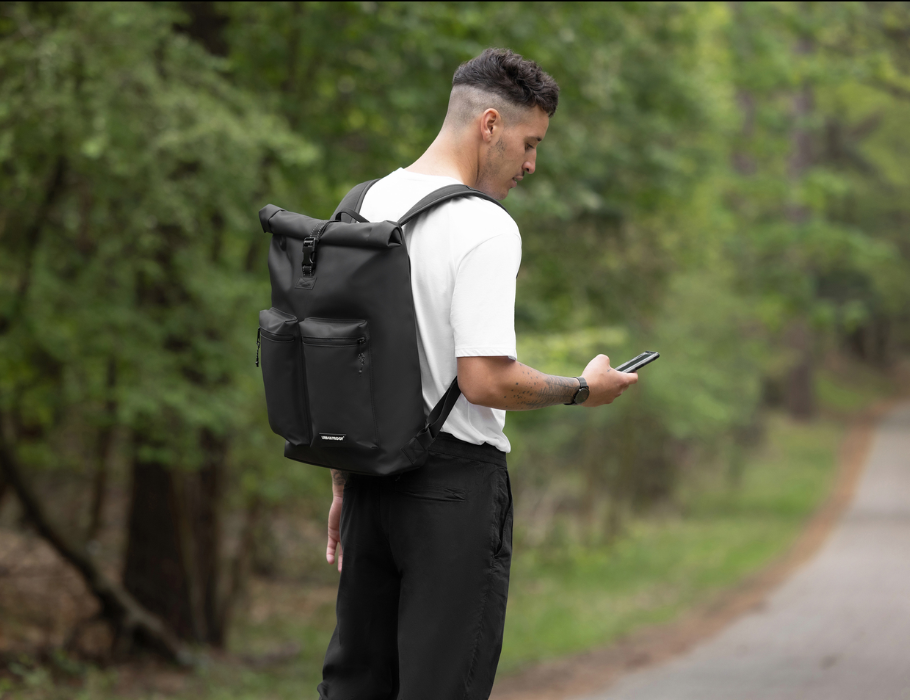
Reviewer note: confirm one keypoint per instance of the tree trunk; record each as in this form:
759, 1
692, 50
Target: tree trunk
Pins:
173, 549
799, 396
240, 564
209, 486
155, 568
799, 391
743, 161
102, 454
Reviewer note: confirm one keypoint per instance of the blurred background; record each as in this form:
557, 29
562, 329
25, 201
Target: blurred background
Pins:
723, 182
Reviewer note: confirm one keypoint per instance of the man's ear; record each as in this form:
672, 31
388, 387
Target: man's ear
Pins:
490, 123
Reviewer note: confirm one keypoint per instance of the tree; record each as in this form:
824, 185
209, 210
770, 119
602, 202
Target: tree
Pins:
689, 195
130, 167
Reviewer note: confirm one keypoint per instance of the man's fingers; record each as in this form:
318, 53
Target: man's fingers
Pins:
633, 378
334, 552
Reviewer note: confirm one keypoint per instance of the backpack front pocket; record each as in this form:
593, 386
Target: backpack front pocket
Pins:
283, 375
339, 382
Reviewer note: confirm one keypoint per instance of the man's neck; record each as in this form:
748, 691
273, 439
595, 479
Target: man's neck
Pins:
445, 158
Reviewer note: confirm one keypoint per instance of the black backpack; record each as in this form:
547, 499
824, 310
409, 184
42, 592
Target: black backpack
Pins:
339, 345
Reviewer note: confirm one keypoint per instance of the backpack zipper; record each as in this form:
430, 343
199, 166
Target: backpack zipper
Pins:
332, 342
340, 343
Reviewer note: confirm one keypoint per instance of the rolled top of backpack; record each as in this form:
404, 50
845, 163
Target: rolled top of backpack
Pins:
280, 222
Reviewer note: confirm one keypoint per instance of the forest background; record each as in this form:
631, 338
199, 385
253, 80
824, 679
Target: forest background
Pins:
723, 182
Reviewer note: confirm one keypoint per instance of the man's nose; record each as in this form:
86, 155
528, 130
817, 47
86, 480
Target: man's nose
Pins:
529, 166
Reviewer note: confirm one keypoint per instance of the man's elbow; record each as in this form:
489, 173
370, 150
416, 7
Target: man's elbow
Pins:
478, 393
483, 381
473, 391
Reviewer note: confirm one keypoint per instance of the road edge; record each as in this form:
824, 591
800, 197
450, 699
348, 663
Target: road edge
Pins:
597, 669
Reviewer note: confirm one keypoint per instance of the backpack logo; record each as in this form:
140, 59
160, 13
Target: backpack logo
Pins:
338, 437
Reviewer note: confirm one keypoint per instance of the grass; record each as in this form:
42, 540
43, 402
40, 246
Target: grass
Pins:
585, 597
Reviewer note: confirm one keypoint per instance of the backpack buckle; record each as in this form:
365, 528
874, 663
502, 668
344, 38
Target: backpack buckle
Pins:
309, 256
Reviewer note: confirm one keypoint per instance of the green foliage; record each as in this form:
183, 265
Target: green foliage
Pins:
138, 140
129, 164
715, 174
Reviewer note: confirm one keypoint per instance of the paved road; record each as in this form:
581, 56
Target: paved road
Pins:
839, 629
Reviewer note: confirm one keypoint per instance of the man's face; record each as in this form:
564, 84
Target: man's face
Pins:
512, 153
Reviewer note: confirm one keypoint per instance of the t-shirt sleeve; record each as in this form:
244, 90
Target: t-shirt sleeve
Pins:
483, 303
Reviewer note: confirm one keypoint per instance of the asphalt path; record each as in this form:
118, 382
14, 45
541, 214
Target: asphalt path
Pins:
838, 629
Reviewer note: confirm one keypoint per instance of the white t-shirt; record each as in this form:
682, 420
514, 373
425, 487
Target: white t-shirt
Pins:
464, 258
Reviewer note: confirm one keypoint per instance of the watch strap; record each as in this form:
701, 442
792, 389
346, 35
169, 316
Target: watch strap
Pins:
582, 384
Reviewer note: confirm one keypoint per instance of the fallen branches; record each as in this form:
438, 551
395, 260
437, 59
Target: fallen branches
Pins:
127, 617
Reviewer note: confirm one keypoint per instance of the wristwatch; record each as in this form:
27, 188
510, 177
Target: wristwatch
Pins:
581, 394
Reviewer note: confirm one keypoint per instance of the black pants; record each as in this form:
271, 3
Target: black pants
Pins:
422, 597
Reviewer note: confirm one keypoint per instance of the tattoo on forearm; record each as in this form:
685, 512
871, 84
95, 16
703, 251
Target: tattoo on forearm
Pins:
540, 390
339, 477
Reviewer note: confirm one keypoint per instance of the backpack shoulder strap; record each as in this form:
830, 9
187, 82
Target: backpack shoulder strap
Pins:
418, 449
444, 194
353, 200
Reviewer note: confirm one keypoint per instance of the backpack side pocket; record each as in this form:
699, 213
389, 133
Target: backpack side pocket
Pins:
284, 376
339, 379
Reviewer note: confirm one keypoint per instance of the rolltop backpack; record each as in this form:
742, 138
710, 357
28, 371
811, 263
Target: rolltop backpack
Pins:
338, 347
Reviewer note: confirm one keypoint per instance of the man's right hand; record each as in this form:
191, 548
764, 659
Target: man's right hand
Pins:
604, 382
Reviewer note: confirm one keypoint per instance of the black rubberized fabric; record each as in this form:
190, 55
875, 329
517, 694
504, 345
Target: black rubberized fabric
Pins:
425, 578
338, 347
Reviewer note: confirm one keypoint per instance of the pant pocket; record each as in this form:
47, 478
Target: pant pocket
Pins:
504, 545
339, 382
283, 376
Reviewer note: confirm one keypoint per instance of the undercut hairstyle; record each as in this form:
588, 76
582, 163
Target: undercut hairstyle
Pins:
503, 80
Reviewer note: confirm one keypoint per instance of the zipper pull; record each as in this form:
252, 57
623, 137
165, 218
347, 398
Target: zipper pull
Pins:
258, 341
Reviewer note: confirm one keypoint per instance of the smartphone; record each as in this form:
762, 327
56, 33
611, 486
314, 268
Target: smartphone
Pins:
636, 363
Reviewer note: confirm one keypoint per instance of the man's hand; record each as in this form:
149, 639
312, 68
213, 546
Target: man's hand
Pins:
605, 383
334, 543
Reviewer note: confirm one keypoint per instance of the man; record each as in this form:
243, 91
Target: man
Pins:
422, 597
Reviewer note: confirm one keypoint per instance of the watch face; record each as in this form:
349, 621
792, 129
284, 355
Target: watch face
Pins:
582, 395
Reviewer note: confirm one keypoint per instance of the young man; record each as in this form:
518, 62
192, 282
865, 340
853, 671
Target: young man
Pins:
425, 575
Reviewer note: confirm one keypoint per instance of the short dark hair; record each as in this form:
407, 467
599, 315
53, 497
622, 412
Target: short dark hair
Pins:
516, 80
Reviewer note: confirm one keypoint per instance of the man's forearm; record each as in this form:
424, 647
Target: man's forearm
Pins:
512, 386
534, 389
